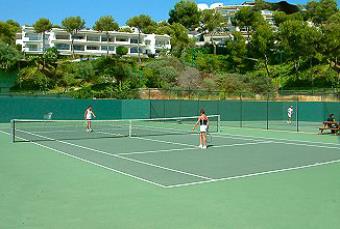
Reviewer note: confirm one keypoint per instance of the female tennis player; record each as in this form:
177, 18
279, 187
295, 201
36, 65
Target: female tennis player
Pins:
88, 115
203, 122
290, 114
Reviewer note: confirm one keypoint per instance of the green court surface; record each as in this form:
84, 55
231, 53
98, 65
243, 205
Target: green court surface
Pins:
247, 178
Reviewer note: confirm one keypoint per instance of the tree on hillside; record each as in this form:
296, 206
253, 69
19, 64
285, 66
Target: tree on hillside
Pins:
331, 42
280, 17
7, 32
212, 21
73, 25
262, 44
298, 41
180, 40
106, 24
14, 24
121, 51
140, 22
319, 12
42, 26
9, 56
247, 18
163, 28
186, 13
237, 50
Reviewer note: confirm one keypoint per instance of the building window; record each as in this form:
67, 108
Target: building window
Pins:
33, 36
104, 38
92, 47
135, 50
111, 48
160, 43
32, 47
93, 38
79, 37
147, 42
134, 41
122, 39
62, 37
62, 46
79, 47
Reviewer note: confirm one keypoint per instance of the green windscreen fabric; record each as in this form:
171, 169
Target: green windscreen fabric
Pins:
230, 111
189, 108
278, 115
135, 109
211, 107
62, 108
172, 108
157, 109
254, 114
307, 116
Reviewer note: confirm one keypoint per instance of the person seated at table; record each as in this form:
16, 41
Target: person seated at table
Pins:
330, 123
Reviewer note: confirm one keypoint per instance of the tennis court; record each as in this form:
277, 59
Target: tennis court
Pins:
143, 167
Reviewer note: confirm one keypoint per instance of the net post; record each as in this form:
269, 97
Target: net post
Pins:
297, 114
13, 130
267, 115
241, 110
130, 128
219, 124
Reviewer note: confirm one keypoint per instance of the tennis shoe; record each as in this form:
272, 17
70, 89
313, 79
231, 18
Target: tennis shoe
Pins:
200, 146
204, 147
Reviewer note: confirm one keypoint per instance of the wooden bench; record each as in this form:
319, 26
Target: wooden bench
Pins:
328, 126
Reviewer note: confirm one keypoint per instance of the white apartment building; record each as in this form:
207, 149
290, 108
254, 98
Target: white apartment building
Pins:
91, 42
228, 12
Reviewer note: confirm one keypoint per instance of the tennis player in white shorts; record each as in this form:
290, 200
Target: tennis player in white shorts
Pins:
203, 122
88, 115
290, 114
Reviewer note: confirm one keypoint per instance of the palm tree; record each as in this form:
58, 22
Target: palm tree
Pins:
140, 22
72, 25
106, 24
42, 25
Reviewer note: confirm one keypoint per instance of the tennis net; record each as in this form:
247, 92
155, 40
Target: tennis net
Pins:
53, 130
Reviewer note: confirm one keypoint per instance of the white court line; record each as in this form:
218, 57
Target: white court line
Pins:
182, 149
124, 158
275, 140
90, 162
254, 174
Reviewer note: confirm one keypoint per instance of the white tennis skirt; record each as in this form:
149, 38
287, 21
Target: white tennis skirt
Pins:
203, 128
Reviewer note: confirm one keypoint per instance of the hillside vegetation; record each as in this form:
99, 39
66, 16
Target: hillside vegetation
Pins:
301, 52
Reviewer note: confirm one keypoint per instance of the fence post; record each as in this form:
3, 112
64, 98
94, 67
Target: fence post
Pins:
267, 110
13, 130
241, 110
297, 113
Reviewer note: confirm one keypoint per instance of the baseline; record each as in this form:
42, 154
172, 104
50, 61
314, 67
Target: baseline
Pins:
255, 174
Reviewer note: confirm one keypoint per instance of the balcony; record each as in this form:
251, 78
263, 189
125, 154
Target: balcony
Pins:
32, 39
62, 37
33, 50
